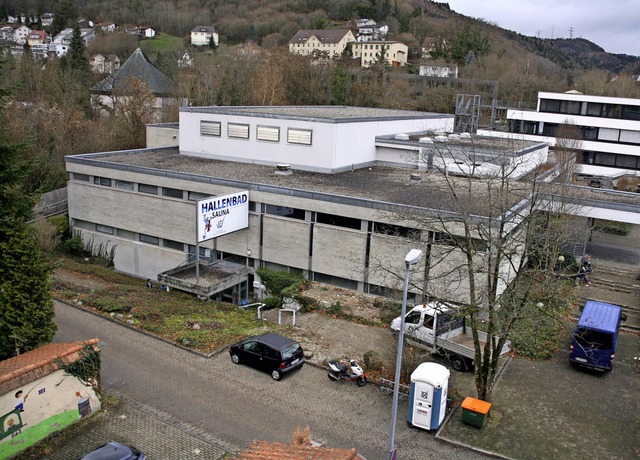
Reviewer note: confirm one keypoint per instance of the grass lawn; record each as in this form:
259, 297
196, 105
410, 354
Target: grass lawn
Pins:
175, 316
163, 43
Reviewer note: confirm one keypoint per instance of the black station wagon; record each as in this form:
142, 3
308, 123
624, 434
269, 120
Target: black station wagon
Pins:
269, 352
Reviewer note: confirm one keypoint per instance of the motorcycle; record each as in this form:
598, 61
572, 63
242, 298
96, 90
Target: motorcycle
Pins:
353, 372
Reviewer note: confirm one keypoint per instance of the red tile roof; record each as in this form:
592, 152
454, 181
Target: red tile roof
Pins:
35, 364
263, 450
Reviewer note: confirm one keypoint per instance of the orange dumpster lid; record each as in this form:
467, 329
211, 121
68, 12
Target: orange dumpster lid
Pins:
476, 405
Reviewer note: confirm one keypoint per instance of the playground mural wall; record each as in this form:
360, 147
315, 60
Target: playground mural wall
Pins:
32, 409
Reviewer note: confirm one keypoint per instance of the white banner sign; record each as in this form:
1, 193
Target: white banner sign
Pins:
219, 215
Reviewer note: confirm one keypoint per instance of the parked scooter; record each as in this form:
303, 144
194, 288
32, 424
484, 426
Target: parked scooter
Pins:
353, 372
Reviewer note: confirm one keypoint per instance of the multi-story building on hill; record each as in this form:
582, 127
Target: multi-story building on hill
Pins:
395, 53
329, 43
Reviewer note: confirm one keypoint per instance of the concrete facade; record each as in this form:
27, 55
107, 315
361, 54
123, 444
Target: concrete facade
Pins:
335, 209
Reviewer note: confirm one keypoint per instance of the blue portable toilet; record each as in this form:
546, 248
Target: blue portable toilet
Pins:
428, 396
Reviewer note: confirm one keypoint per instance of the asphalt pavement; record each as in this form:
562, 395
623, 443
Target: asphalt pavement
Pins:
178, 404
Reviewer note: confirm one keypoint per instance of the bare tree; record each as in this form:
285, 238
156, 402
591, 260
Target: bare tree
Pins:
490, 241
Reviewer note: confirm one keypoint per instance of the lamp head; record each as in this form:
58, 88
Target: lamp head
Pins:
413, 257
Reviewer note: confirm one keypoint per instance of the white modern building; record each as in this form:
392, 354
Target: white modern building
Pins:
331, 191
608, 129
202, 36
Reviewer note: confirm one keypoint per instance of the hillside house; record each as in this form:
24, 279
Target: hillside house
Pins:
65, 36
368, 30
329, 43
38, 37
395, 53
108, 93
20, 34
104, 64
46, 19
106, 26
184, 60
443, 71
202, 35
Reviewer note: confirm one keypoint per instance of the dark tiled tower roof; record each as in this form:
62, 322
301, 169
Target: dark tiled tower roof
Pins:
140, 67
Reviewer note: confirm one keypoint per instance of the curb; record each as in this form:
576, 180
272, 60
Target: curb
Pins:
141, 331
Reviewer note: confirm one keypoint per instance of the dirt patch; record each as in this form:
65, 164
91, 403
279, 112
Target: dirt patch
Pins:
79, 282
366, 306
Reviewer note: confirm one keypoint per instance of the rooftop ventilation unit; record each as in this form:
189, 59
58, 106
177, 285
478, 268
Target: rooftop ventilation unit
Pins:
425, 140
401, 137
283, 169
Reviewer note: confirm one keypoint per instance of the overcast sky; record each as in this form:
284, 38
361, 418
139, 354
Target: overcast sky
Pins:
611, 24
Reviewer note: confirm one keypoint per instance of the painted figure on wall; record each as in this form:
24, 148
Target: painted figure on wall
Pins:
20, 400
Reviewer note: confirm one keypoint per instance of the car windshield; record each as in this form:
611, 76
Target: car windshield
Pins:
290, 351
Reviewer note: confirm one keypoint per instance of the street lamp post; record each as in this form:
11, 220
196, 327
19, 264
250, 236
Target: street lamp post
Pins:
412, 258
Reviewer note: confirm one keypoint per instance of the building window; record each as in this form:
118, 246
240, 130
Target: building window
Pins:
77, 223
104, 181
284, 211
149, 239
594, 109
335, 281
268, 133
210, 128
81, 177
589, 133
627, 161
396, 230
172, 192
299, 136
338, 221
549, 105
238, 131
177, 245
123, 184
608, 134
126, 234
630, 112
104, 229
549, 129
146, 188
570, 107
195, 196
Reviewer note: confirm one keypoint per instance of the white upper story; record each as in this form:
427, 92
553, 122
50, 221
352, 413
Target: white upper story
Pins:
322, 139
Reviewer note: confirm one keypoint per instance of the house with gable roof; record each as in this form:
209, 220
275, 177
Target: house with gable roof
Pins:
202, 35
106, 94
329, 42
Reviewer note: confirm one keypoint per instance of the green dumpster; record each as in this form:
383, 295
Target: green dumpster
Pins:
475, 411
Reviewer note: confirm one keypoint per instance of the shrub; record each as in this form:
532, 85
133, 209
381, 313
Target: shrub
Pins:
335, 309
276, 281
75, 247
61, 222
271, 302
617, 228
372, 360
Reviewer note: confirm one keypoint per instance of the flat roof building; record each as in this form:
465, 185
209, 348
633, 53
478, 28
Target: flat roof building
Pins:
333, 195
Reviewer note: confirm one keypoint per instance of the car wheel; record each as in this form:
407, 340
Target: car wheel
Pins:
458, 363
276, 374
235, 358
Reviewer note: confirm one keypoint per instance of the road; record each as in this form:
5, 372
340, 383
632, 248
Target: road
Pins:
237, 404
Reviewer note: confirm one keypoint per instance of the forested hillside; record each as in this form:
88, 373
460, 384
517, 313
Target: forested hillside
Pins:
252, 66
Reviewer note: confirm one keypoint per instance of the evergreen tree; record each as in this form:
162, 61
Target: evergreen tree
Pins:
64, 15
26, 305
78, 61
